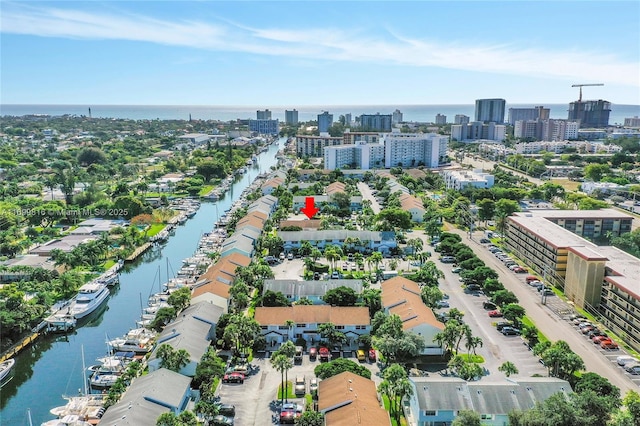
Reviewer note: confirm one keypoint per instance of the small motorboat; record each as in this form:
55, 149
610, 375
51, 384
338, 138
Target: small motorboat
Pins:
5, 368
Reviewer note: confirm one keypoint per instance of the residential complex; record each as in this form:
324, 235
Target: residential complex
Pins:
313, 146
263, 115
396, 117
632, 122
590, 113
461, 119
490, 110
546, 130
459, 179
600, 279
350, 138
441, 119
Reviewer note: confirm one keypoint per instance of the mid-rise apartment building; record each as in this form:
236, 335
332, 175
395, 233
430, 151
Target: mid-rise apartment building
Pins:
490, 110
313, 146
600, 279
477, 130
351, 138
461, 119
526, 114
363, 156
632, 122
414, 149
459, 179
265, 127
291, 117
441, 119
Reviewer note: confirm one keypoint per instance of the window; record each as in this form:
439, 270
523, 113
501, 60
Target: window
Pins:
339, 327
301, 325
429, 413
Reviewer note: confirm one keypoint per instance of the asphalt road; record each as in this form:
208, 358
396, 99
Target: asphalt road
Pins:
551, 324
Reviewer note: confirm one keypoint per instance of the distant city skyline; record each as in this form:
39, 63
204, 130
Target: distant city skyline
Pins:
295, 53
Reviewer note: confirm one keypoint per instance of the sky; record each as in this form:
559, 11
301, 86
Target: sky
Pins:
317, 52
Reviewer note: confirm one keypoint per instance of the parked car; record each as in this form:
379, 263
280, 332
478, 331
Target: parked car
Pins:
442, 304
313, 353
300, 387
290, 412
502, 324
313, 386
485, 241
226, 409
510, 331
495, 313
519, 270
531, 278
623, 360
221, 420
335, 275
609, 344
234, 377
456, 270
290, 256
599, 339
489, 305
372, 355
282, 256
448, 259
361, 356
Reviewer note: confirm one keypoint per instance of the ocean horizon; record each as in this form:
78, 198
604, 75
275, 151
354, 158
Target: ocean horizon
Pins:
411, 113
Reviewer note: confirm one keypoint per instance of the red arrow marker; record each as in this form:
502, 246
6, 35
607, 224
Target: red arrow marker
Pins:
309, 208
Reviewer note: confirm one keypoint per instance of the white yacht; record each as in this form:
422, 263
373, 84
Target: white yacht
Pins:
89, 298
138, 340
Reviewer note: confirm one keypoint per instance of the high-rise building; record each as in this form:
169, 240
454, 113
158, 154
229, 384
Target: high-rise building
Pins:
264, 126
490, 110
441, 119
313, 146
347, 119
527, 129
396, 117
263, 115
535, 113
375, 122
361, 155
325, 121
559, 130
461, 119
632, 122
477, 130
291, 117
590, 113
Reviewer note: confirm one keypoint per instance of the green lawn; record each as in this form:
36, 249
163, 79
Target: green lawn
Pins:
289, 393
205, 190
154, 229
527, 321
478, 359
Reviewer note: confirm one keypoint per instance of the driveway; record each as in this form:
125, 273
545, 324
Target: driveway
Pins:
367, 195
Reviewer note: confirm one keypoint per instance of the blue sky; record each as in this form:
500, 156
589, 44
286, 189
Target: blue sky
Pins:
312, 53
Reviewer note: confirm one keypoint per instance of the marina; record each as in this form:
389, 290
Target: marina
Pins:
51, 367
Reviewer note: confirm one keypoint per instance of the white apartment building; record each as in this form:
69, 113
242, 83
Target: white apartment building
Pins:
312, 146
478, 130
414, 149
559, 146
361, 156
559, 130
632, 122
458, 179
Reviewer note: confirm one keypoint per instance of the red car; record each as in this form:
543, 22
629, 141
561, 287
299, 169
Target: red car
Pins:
599, 339
324, 353
608, 344
519, 270
233, 378
495, 313
372, 355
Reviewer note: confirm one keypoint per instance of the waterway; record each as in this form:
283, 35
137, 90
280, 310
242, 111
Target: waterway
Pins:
52, 367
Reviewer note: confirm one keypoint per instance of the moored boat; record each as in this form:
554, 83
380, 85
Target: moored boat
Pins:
61, 322
89, 298
138, 340
6, 367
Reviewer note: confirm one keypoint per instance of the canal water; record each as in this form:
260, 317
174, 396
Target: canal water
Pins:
52, 367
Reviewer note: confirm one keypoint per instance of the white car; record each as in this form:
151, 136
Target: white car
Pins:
622, 360
442, 304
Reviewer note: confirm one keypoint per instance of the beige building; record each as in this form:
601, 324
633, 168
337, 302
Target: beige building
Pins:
600, 279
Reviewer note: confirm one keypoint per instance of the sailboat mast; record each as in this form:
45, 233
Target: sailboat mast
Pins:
84, 374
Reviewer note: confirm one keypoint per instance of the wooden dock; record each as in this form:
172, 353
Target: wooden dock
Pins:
138, 252
18, 347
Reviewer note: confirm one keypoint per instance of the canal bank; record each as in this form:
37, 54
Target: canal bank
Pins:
52, 367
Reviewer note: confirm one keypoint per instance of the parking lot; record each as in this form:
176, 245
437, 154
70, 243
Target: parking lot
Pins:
256, 399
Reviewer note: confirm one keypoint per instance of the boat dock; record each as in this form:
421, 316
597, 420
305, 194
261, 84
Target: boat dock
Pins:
18, 347
137, 252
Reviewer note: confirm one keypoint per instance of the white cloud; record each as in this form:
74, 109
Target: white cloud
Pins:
322, 44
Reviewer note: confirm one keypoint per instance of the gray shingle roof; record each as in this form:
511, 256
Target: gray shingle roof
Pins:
309, 288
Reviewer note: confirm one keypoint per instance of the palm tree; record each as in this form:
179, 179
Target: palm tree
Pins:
282, 363
289, 323
374, 259
508, 368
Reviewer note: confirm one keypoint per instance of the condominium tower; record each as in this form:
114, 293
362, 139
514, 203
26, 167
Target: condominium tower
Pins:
490, 110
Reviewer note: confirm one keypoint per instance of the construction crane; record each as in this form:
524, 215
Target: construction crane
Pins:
582, 85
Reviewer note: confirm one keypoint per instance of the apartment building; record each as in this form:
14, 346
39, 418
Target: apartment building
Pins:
414, 149
350, 138
600, 279
590, 113
458, 179
527, 114
325, 121
376, 122
313, 146
263, 115
478, 130
363, 156
396, 117
461, 119
441, 119
291, 117
632, 122
265, 126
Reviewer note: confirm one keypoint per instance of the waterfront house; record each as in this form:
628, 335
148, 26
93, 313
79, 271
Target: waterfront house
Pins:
254, 220
266, 204
367, 241
193, 330
224, 270
402, 297
270, 185
348, 399
149, 396
437, 400
294, 290
353, 321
